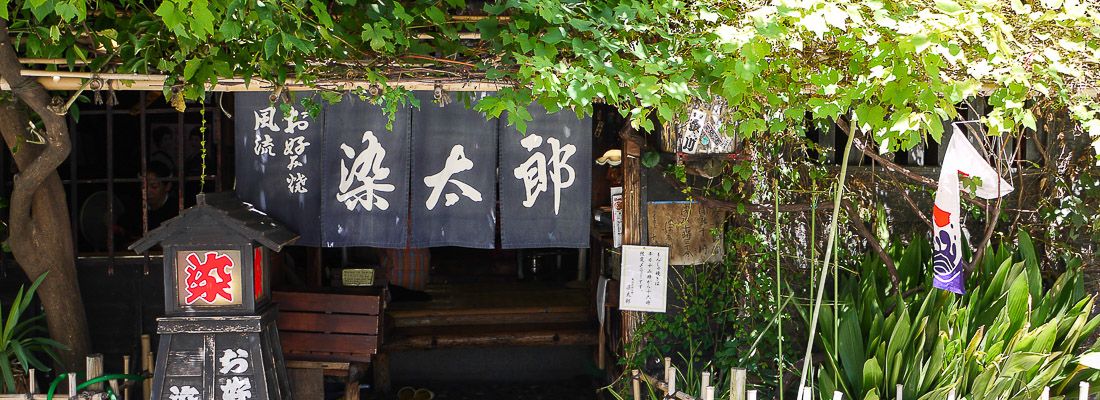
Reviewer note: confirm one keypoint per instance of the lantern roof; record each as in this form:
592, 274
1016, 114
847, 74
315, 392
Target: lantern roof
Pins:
228, 211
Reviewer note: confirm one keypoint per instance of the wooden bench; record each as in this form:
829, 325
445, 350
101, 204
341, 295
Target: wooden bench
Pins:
334, 331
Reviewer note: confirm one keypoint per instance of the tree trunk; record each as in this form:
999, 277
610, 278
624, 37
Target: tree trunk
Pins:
41, 237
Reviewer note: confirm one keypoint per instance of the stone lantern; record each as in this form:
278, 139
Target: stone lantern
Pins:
218, 340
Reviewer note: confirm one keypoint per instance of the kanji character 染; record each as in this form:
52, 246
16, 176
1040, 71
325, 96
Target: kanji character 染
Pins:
456, 162
209, 278
367, 171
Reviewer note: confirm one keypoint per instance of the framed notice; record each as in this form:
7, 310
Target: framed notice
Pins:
643, 282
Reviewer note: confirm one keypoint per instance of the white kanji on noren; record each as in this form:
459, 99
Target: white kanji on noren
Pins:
264, 145
265, 118
183, 393
293, 123
235, 361
296, 183
237, 388
456, 162
367, 171
538, 172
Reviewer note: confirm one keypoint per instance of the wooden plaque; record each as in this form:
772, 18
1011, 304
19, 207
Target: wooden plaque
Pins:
686, 229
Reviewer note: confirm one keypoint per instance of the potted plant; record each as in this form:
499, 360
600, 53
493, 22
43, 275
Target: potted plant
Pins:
23, 341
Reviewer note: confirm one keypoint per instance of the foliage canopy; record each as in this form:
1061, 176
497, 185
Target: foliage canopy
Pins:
900, 66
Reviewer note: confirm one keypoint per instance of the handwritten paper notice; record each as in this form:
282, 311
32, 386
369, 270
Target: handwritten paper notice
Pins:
644, 280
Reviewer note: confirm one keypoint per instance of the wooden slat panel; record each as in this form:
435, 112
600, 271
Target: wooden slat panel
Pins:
333, 323
331, 357
299, 342
328, 302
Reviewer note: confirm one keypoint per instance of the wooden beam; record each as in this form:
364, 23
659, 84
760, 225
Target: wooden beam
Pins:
66, 80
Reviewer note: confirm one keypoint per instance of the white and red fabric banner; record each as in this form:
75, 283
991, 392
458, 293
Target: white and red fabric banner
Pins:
961, 159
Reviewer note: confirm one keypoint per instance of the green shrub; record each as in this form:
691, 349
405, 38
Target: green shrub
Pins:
1008, 337
20, 344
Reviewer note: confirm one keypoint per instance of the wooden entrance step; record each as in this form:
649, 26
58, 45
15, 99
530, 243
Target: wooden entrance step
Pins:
493, 314
498, 335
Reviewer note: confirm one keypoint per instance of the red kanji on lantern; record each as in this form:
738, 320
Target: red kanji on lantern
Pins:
209, 278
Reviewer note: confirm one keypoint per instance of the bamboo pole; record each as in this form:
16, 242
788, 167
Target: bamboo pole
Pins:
69, 80
672, 382
779, 290
636, 383
93, 368
1046, 394
752, 395
838, 396
708, 393
146, 366
738, 376
1084, 391
825, 262
72, 385
705, 383
32, 384
125, 370
899, 392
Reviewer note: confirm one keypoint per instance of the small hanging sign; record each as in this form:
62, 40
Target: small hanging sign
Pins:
643, 282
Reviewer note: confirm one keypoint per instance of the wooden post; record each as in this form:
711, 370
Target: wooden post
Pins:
752, 395
93, 368
1046, 394
125, 370
72, 385
838, 396
146, 366
708, 393
601, 348
737, 384
899, 391
951, 395
636, 383
634, 229
668, 368
32, 385
1084, 391
672, 382
705, 384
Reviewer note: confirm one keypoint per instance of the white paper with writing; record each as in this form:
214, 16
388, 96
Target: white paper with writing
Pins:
643, 282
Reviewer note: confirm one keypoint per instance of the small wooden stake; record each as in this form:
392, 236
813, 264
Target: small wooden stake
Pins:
899, 391
671, 373
752, 395
1084, 391
1046, 394
146, 366
32, 384
951, 395
72, 385
636, 382
737, 384
125, 370
705, 383
838, 396
668, 367
708, 393
93, 368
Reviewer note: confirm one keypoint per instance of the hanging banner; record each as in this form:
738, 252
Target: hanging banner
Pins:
545, 181
366, 172
279, 165
454, 170
960, 159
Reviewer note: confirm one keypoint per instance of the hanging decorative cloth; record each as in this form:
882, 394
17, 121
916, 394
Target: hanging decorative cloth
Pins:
961, 159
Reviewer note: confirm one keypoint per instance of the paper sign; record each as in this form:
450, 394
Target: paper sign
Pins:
617, 214
643, 281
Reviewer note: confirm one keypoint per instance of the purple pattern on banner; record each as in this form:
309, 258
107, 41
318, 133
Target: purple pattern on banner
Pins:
947, 264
